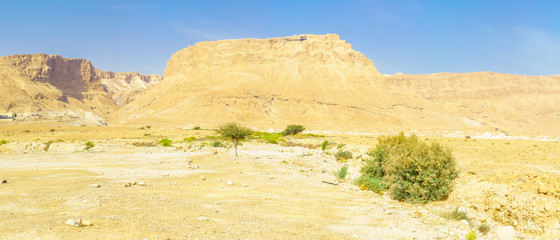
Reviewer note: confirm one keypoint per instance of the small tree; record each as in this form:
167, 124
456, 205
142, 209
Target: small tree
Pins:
234, 132
293, 130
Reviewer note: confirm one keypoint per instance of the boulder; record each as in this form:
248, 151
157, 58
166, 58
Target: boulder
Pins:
506, 233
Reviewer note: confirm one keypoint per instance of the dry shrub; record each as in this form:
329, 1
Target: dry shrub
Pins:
412, 170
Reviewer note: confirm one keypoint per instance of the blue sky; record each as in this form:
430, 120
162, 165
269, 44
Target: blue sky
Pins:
416, 37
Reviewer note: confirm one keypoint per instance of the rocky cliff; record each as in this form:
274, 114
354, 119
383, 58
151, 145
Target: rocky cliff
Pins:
264, 82
126, 86
324, 84
50, 86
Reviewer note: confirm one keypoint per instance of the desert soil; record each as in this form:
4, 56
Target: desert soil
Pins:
276, 192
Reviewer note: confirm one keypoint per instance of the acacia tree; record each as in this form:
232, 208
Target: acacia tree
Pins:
234, 132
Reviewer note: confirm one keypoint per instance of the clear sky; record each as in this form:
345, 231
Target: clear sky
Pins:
416, 37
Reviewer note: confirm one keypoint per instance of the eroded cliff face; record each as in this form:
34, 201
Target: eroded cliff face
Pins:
315, 80
505, 103
322, 83
124, 87
53, 87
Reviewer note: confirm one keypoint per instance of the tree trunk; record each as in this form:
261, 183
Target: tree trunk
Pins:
235, 146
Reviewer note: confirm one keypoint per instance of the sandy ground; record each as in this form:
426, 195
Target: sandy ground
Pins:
276, 192
269, 199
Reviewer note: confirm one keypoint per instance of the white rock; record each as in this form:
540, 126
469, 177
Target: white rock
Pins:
74, 222
95, 185
196, 184
230, 183
141, 184
244, 185
506, 233
202, 177
219, 179
464, 222
202, 218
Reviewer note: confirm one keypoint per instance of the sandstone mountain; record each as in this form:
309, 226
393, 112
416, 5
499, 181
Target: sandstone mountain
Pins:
322, 83
50, 86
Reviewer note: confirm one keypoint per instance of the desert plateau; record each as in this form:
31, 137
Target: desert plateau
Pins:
148, 120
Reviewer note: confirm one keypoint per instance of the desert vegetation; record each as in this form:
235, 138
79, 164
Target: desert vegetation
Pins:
411, 170
293, 130
234, 133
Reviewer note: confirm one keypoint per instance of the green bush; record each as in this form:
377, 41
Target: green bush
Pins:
412, 170
324, 145
89, 145
342, 172
273, 138
365, 182
293, 130
196, 128
343, 155
3, 142
189, 139
454, 214
218, 144
470, 236
165, 142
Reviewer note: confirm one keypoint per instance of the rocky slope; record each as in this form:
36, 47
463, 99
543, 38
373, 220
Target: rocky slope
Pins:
267, 83
505, 103
126, 86
50, 86
324, 84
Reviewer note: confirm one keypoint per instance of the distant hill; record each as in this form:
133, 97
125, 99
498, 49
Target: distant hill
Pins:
41, 86
318, 81
322, 83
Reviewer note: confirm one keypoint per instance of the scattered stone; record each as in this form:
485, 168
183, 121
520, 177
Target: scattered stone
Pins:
86, 223
141, 184
482, 220
548, 206
542, 188
240, 172
219, 179
166, 175
506, 233
244, 185
464, 222
95, 185
133, 183
202, 177
74, 222
4, 181
230, 183
271, 177
196, 184
202, 218
127, 185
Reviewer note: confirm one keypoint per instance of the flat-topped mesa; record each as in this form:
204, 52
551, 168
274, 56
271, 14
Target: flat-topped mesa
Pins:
262, 82
308, 56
